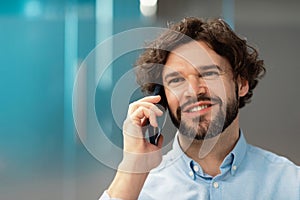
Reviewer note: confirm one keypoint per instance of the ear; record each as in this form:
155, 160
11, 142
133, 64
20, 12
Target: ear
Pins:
243, 86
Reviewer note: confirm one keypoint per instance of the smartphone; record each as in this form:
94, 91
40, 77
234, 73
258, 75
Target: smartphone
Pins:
155, 132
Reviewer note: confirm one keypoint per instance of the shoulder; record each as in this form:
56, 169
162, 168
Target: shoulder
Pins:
268, 156
271, 165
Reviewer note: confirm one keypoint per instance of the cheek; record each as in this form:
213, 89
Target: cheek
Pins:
220, 89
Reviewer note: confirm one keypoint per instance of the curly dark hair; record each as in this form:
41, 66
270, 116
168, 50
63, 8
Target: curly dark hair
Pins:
218, 35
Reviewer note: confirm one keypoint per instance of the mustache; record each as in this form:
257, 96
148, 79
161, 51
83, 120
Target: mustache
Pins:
202, 97
199, 98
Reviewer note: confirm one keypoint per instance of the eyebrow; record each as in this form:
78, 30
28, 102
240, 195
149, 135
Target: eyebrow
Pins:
172, 74
207, 67
199, 68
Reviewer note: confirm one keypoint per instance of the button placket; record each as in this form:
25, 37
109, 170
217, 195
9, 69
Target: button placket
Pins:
216, 189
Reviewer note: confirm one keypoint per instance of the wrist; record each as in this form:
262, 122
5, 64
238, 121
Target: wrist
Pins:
137, 163
127, 186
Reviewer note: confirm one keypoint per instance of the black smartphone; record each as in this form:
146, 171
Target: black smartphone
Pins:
154, 132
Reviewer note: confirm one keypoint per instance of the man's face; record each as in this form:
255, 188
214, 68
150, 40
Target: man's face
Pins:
201, 92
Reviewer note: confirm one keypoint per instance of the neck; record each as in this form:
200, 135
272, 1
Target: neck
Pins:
210, 153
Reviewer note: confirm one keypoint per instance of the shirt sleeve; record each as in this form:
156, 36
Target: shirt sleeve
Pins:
105, 196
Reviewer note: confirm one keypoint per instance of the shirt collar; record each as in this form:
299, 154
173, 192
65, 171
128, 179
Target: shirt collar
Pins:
178, 153
233, 159
238, 152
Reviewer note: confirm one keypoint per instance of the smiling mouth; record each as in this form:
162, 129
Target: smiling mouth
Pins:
198, 108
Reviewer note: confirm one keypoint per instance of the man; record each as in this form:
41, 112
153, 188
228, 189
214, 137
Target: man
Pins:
208, 73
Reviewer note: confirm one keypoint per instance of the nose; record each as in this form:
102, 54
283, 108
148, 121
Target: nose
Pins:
196, 86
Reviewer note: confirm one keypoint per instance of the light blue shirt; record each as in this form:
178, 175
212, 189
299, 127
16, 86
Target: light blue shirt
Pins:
248, 172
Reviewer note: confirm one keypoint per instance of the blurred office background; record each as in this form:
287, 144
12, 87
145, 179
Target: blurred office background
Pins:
43, 42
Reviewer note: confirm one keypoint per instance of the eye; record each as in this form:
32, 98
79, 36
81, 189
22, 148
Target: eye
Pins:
175, 80
210, 74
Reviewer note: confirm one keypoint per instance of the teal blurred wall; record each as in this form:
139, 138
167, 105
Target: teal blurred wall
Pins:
43, 43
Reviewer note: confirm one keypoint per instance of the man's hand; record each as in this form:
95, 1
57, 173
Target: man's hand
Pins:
140, 156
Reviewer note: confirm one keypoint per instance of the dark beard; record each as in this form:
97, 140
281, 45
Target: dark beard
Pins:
210, 129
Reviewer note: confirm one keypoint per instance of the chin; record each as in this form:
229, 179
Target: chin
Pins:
206, 129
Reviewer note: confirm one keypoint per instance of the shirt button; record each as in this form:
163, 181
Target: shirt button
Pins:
191, 173
216, 185
234, 167
196, 168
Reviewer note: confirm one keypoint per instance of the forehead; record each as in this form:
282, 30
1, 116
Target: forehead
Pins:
194, 54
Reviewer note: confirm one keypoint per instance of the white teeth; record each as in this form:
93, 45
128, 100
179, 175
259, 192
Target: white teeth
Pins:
198, 108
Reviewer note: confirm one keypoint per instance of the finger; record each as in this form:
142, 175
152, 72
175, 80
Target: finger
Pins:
141, 113
152, 99
149, 100
152, 119
136, 105
145, 111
